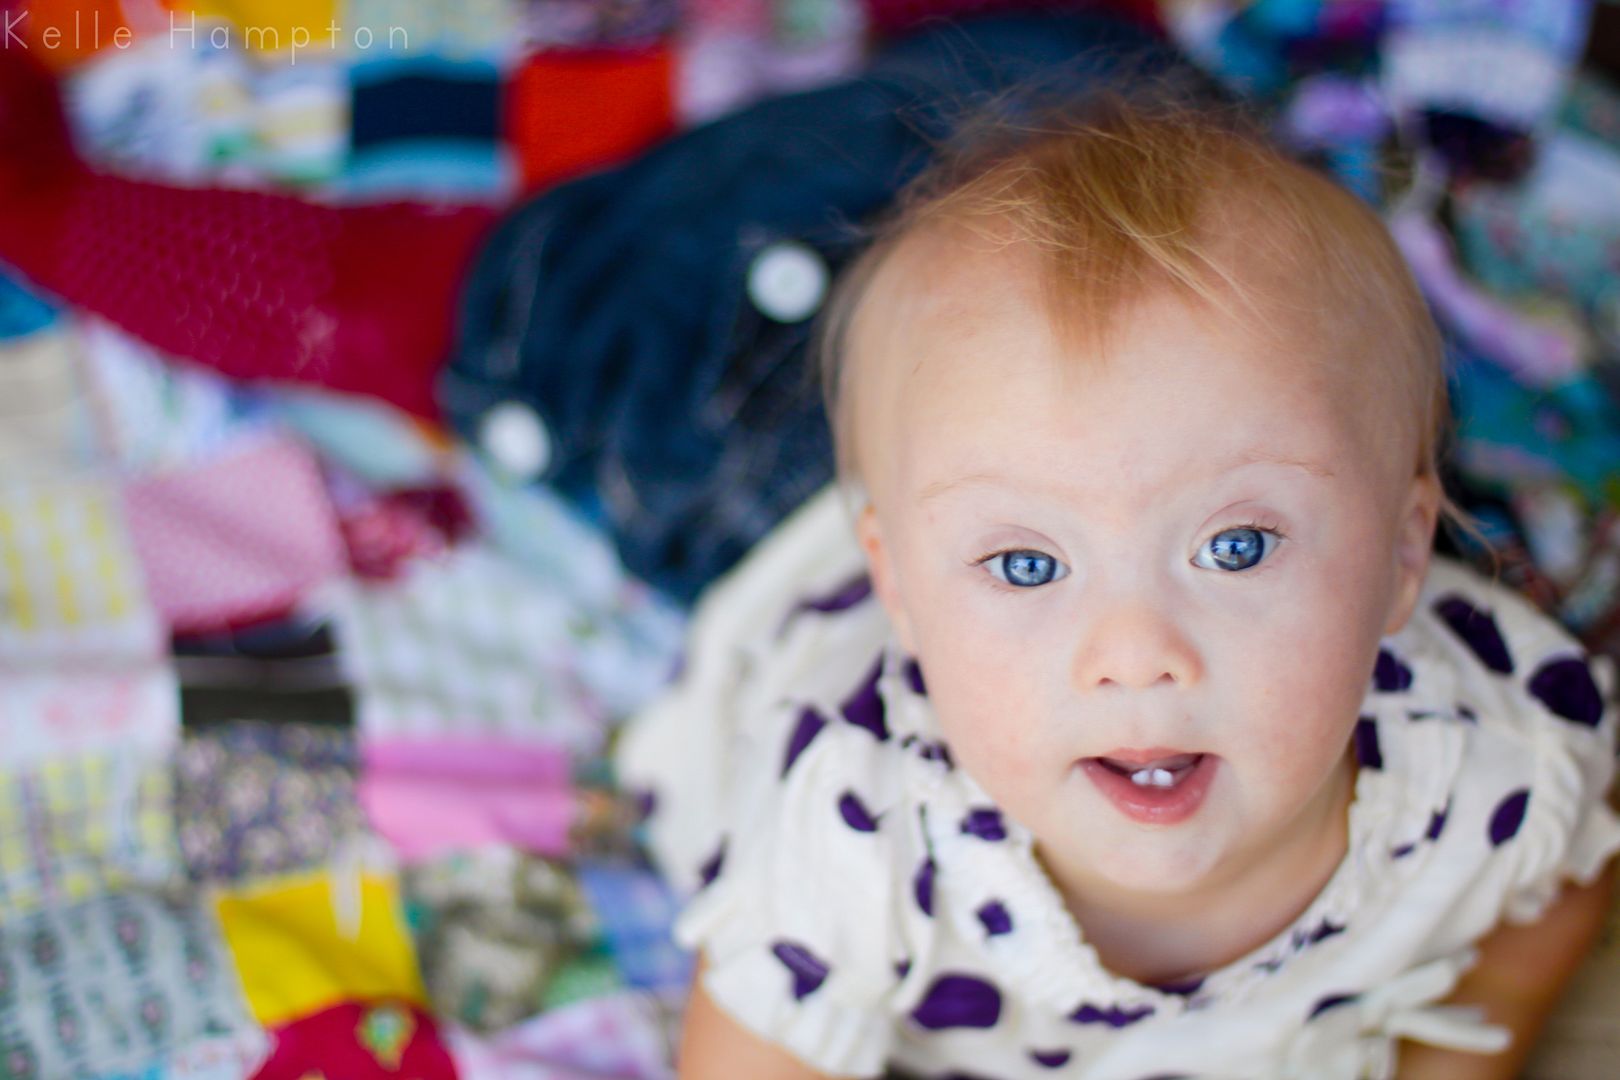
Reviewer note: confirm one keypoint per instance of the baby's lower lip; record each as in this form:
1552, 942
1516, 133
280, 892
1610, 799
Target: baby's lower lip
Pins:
1150, 805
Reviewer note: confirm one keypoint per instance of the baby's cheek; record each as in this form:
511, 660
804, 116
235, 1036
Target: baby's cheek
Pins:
1307, 709
1315, 651
989, 734
1008, 758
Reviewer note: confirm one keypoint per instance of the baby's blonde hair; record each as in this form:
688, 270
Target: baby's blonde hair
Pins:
1125, 195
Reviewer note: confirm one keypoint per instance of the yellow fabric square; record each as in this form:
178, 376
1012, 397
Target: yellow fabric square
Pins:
274, 25
295, 958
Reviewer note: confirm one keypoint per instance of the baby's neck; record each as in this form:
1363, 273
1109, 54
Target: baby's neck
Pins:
1164, 939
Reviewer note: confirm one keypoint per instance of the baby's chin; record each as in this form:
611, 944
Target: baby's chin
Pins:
1155, 867
1125, 862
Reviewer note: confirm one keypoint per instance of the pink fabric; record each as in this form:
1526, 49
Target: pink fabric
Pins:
234, 540
431, 796
749, 16
474, 759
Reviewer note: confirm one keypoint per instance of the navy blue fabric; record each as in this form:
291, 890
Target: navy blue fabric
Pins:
685, 421
433, 101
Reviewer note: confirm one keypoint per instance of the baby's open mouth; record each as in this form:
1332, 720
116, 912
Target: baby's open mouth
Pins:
1155, 786
1160, 772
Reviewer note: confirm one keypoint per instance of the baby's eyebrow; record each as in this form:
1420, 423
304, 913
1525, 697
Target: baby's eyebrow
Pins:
1251, 456
1257, 456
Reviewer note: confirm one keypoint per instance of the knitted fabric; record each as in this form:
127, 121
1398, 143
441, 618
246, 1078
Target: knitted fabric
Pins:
256, 285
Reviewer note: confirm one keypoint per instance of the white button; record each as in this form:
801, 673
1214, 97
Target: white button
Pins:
787, 282
516, 440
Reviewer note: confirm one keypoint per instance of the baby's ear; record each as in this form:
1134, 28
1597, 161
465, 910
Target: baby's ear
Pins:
1414, 545
869, 531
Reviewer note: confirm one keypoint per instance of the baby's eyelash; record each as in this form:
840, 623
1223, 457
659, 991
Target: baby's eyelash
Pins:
1259, 526
987, 556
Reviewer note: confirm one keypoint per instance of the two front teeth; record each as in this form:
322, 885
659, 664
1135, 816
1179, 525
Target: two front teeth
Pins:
1164, 773
1161, 778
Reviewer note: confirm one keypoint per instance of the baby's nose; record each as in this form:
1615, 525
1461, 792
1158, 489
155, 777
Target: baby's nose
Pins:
1132, 645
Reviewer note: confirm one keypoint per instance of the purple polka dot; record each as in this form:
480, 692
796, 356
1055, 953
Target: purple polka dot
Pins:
929, 750
914, 676
1181, 988
1050, 1059
1567, 688
1113, 1016
864, 708
1323, 931
1403, 851
922, 886
855, 814
1389, 674
711, 866
1466, 714
985, 823
809, 971
1508, 816
1368, 753
809, 726
1437, 822
842, 598
954, 1001
902, 969
1330, 1002
993, 916
646, 803
1478, 630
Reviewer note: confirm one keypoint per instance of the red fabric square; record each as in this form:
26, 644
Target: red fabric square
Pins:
571, 112
375, 1041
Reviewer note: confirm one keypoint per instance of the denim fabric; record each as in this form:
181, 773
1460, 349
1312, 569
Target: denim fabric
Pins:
682, 419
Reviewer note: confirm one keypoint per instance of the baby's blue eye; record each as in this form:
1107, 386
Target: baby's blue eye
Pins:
1237, 549
1026, 569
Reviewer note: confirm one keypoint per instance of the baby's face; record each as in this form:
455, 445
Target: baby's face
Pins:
1185, 555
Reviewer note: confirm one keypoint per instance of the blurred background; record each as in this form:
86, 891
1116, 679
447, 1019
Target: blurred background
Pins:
381, 381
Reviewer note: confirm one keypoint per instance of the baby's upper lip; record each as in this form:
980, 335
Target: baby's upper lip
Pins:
1132, 756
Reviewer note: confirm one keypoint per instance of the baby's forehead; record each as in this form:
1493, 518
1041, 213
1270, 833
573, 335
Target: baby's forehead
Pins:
940, 280
949, 312
941, 287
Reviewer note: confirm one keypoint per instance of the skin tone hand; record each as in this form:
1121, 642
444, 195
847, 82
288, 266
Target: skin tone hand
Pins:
1520, 977
716, 1047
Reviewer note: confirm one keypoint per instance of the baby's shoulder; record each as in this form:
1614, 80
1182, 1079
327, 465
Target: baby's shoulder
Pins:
804, 916
778, 740
1534, 718
1506, 667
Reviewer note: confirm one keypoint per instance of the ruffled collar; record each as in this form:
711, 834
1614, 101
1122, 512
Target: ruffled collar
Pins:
1410, 741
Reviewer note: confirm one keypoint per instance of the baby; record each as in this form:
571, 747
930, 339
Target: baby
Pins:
1113, 718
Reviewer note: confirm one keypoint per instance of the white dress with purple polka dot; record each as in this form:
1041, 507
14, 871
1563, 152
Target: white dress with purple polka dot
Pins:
862, 902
